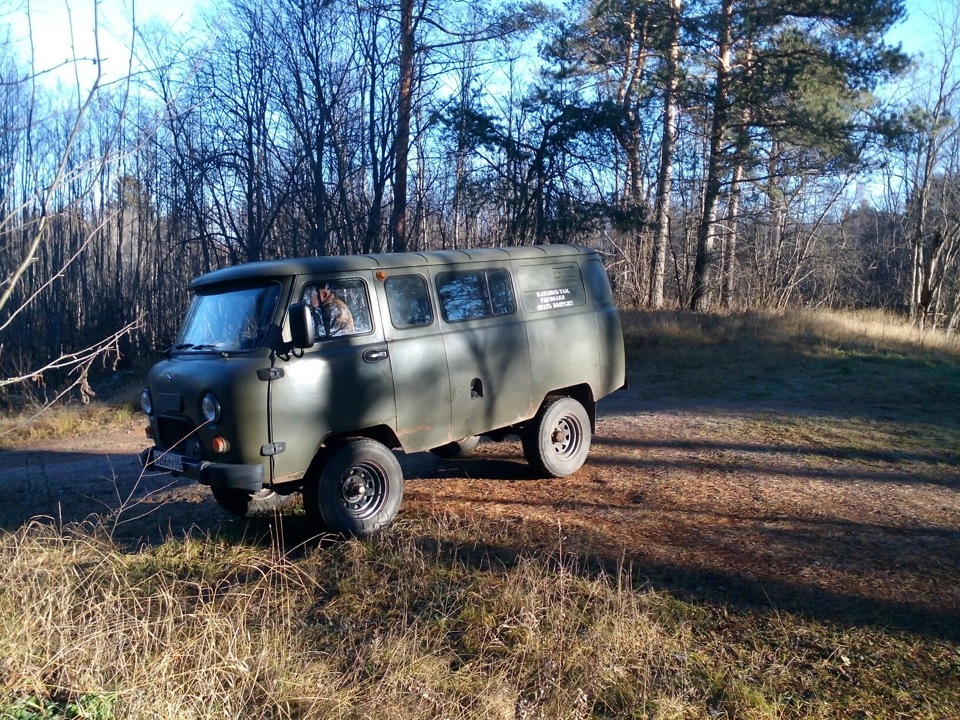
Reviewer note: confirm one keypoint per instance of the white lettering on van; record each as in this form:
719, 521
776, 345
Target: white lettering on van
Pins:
553, 299
553, 293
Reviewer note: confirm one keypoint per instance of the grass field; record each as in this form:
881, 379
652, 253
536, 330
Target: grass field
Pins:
455, 613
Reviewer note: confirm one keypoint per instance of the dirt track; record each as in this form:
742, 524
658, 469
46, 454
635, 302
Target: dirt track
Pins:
714, 502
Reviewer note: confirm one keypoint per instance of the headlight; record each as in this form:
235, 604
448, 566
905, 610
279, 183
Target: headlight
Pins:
146, 404
211, 408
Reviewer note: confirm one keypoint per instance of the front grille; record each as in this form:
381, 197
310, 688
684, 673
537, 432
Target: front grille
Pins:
173, 433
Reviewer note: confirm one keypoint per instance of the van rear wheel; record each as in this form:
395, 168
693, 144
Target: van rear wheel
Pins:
358, 491
557, 441
250, 504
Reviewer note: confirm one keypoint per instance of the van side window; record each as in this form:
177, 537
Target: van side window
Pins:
477, 294
340, 307
408, 301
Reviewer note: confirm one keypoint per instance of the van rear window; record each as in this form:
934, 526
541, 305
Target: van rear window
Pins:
551, 287
476, 294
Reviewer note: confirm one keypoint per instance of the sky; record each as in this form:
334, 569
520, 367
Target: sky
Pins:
51, 22
916, 32
63, 29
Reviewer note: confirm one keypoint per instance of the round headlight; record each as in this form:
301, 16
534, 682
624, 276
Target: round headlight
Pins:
211, 408
146, 404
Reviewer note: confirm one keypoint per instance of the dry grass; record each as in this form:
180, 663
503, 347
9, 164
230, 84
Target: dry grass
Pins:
190, 629
423, 622
451, 616
395, 628
26, 419
26, 428
795, 330
797, 361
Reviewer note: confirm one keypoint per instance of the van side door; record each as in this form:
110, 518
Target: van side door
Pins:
418, 360
487, 349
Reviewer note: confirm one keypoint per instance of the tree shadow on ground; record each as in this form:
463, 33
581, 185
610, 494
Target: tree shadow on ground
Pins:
831, 569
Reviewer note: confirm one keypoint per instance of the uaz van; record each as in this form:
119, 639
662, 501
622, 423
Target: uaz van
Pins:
306, 374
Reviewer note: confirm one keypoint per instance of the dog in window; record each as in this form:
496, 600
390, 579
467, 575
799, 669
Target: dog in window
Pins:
336, 316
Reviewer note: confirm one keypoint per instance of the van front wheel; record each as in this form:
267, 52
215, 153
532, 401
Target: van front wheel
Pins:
358, 491
557, 441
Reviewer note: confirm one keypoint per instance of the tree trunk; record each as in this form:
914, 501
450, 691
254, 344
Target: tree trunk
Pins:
404, 109
706, 234
665, 172
730, 238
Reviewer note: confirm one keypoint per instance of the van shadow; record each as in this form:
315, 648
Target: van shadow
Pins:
107, 492
499, 461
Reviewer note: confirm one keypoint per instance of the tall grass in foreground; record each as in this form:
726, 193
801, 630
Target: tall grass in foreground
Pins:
435, 619
419, 623
381, 629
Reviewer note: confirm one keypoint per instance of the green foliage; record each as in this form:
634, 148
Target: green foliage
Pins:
85, 707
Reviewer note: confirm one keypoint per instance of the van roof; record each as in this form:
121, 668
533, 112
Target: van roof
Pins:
352, 263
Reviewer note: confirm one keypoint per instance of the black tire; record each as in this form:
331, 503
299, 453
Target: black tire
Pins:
457, 448
250, 504
358, 491
557, 441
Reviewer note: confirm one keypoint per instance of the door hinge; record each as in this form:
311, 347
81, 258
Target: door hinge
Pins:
272, 448
270, 373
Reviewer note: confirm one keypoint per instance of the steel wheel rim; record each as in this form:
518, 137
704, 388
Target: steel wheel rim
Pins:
362, 488
567, 436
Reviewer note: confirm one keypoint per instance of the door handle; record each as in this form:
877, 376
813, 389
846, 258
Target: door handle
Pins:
372, 356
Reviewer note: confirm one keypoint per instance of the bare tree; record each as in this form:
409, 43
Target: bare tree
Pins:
44, 244
931, 171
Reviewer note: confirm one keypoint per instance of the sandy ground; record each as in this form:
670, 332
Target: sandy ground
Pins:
703, 501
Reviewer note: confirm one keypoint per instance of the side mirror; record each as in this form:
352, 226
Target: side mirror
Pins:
300, 319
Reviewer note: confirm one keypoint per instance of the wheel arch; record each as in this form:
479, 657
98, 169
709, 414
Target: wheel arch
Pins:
383, 434
583, 394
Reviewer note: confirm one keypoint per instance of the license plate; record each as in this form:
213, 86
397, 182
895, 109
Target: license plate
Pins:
169, 461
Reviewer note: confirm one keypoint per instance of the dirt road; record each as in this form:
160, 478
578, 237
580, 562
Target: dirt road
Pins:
727, 504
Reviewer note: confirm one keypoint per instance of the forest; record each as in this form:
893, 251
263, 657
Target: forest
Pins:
721, 154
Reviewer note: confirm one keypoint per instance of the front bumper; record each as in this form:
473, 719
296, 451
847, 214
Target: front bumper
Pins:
218, 475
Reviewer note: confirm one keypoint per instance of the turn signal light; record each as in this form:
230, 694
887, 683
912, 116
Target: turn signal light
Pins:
219, 445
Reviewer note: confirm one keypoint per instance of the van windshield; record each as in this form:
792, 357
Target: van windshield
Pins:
234, 320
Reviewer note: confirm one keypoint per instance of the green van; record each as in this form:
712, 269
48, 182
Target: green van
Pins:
305, 374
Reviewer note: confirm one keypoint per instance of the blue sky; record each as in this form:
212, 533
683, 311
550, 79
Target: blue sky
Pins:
916, 31
51, 21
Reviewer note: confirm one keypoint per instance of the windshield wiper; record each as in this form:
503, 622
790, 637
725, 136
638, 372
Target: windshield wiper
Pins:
190, 346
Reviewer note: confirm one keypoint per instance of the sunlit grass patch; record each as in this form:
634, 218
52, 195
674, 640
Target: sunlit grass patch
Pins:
416, 624
866, 364
22, 429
